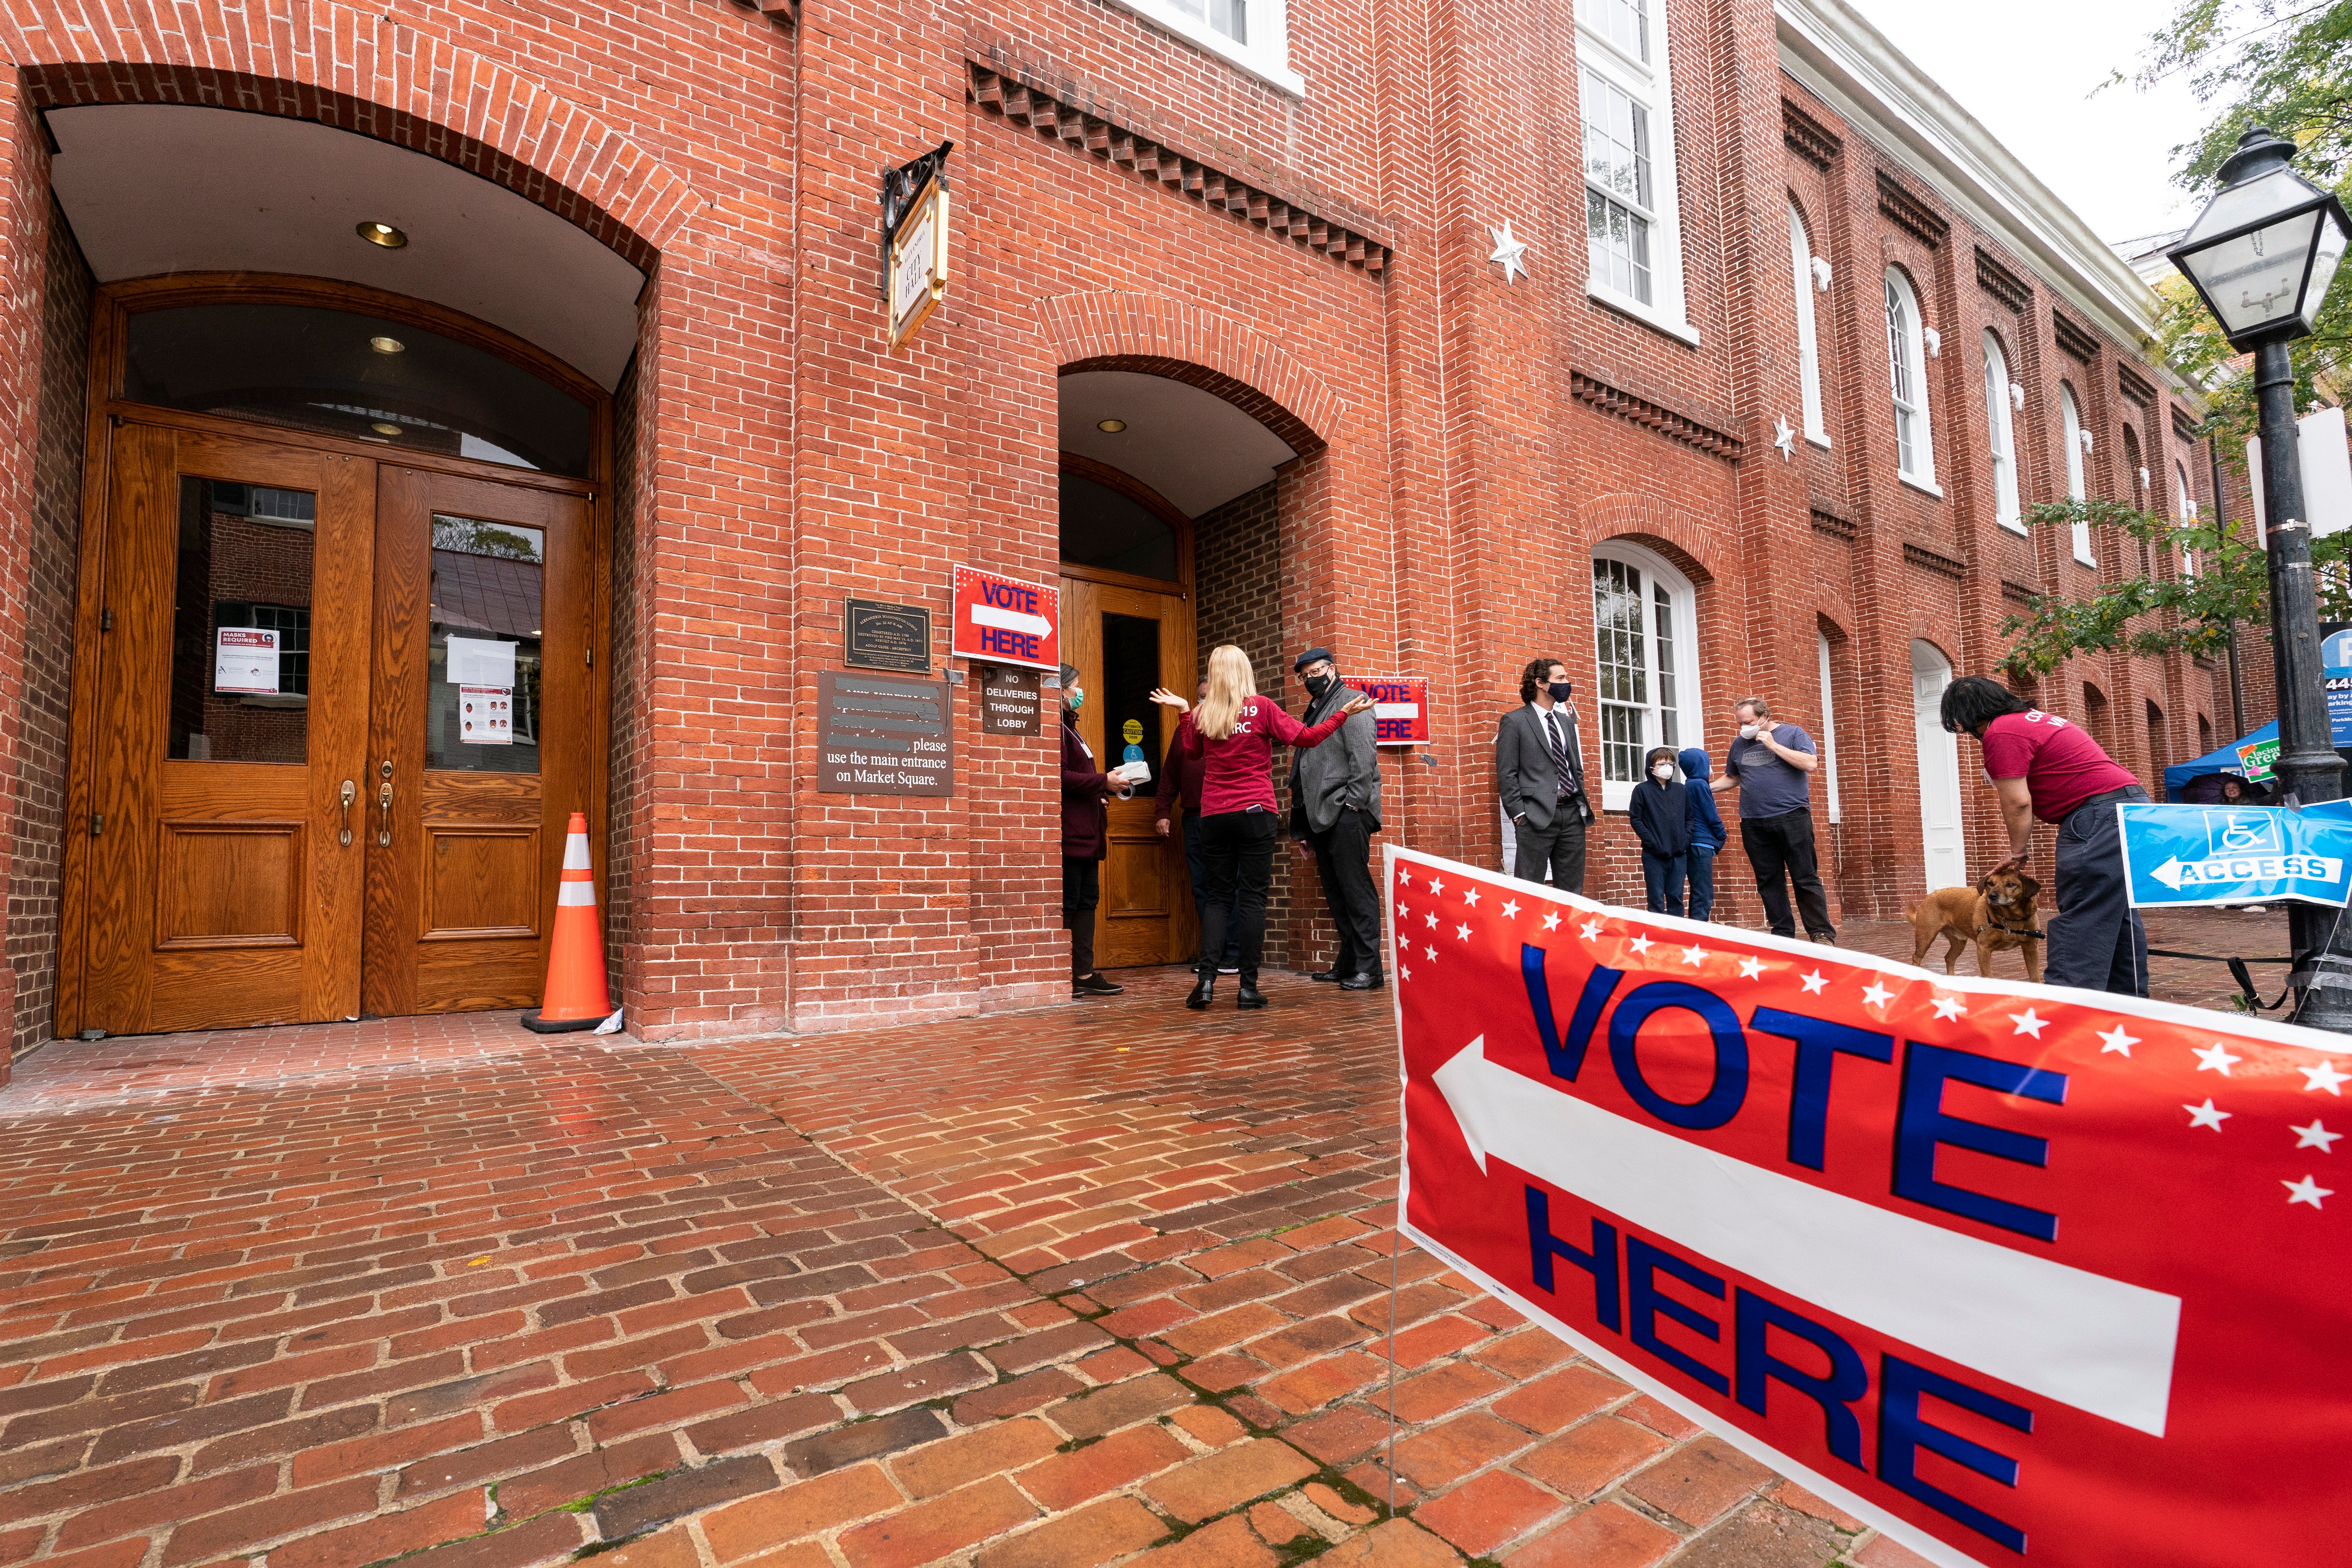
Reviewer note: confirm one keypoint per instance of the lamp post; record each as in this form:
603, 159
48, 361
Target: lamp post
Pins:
2262, 255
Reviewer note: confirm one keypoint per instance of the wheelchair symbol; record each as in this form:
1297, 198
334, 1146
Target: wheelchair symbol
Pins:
2242, 832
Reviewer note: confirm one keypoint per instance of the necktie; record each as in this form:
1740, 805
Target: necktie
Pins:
1553, 728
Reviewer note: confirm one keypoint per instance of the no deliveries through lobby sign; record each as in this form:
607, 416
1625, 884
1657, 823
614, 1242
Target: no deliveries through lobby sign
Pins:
2012, 1272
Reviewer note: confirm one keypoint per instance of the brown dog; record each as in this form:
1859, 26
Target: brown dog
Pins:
1997, 913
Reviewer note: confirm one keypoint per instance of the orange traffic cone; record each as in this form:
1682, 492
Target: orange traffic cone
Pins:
576, 997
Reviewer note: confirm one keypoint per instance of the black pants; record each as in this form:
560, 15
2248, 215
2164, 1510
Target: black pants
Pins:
1081, 891
1785, 843
2096, 940
1239, 848
1343, 854
1559, 849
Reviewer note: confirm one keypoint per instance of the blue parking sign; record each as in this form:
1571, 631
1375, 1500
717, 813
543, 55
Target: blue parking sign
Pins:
2178, 855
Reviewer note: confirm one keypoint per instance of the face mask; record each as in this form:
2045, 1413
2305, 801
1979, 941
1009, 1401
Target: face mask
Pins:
1663, 774
1561, 690
1316, 685
1748, 731
1076, 698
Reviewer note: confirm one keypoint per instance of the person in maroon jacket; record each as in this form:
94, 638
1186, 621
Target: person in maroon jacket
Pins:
1235, 735
1085, 832
1180, 785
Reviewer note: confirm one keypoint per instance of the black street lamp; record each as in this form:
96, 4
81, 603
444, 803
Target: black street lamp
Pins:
2261, 256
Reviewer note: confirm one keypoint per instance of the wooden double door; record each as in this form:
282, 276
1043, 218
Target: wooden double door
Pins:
1124, 641
332, 715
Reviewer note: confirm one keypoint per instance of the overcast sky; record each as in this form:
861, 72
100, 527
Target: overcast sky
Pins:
2107, 157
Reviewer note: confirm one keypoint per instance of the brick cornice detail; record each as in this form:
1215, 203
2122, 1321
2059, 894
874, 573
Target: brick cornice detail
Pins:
2018, 592
1911, 215
2184, 428
2076, 342
1639, 410
1830, 524
1927, 560
2001, 283
1080, 119
2136, 386
1807, 138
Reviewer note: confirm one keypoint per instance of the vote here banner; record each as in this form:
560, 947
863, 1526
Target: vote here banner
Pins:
1003, 620
2010, 1271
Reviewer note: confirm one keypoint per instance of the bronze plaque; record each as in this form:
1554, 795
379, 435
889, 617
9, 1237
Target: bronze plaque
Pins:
882, 635
880, 736
1010, 701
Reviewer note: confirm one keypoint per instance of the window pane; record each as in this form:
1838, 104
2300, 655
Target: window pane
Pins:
1809, 360
1101, 527
1669, 703
1624, 23
241, 625
1130, 670
482, 708
1623, 664
1616, 140
1619, 247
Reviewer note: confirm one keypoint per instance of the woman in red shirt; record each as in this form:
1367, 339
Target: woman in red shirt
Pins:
1234, 734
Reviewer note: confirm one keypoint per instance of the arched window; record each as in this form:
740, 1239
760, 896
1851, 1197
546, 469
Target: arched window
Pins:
1808, 352
1646, 633
2070, 419
1829, 726
1999, 431
1915, 444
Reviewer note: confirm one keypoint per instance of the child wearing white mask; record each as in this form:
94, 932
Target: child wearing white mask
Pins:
1659, 813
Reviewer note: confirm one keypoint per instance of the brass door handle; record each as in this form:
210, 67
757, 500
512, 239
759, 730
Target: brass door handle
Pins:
351, 794
384, 828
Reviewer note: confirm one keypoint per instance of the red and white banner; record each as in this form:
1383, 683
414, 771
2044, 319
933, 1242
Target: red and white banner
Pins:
1400, 707
1001, 620
2007, 1270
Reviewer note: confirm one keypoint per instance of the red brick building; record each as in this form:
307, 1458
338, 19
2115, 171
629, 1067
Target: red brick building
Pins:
1238, 344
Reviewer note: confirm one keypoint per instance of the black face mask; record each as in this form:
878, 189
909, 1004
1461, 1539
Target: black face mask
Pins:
1562, 691
1316, 685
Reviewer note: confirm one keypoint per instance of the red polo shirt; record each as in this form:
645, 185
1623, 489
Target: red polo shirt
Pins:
2061, 765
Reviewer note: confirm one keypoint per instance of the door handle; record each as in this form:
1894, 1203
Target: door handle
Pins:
384, 828
351, 794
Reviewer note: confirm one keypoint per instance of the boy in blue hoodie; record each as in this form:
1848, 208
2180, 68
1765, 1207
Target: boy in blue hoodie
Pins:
1661, 816
1707, 832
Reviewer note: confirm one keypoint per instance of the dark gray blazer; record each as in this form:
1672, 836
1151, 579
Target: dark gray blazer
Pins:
1344, 771
1524, 775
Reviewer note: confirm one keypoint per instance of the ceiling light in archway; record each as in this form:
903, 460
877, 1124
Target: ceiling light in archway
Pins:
387, 345
382, 233
385, 427
1110, 426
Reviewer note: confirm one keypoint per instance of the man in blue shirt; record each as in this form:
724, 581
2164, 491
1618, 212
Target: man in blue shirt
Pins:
1771, 766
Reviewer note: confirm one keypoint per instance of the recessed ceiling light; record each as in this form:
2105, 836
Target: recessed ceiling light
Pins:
1110, 426
385, 427
382, 233
387, 345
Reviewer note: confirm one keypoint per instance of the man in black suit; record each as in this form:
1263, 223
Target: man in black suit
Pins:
1540, 771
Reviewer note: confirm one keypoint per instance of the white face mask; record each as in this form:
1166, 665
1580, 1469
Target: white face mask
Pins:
1748, 731
1663, 774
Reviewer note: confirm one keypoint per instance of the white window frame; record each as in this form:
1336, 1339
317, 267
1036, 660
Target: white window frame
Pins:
1809, 343
1906, 361
1266, 57
2002, 436
2184, 513
1690, 708
1650, 84
1829, 726
2070, 424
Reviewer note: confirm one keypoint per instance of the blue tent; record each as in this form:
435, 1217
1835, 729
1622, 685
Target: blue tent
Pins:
2220, 760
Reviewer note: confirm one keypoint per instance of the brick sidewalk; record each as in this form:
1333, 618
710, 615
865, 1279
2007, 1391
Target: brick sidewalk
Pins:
1057, 1288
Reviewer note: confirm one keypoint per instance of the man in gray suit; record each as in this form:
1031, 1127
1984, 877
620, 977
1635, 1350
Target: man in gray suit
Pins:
1539, 771
1335, 807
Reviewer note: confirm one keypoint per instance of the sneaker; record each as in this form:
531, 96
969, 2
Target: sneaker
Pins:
1229, 969
1094, 986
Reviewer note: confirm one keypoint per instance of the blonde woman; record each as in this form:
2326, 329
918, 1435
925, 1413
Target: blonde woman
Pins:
1235, 732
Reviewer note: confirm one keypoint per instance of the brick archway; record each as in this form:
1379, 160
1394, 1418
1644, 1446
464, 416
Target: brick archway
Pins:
357, 71
1255, 372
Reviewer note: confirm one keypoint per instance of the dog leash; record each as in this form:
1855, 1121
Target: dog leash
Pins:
2238, 971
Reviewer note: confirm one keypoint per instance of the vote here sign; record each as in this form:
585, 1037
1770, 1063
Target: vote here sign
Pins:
1400, 707
1003, 620
2012, 1272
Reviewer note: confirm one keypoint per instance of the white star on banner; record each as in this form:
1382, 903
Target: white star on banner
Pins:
2027, 1023
2116, 1040
1590, 929
1950, 1007
1430, 952
1430, 919
1508, 251
1470, 897
1876, 995
2215, 1057
1511, 909
1695, 956
1405, 875
2306, 1191
2316, 1136
1461, 931
1435, 887
1404, 911
2324, 1077
1639, 944
1751, 969
1403, 970
1814, 982
2205, 1116
1551, 920
1404, 942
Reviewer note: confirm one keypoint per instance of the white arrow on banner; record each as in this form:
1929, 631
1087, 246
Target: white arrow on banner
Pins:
2169, 873
2096, 1344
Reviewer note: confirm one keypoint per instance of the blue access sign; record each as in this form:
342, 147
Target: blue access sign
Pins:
2177, 855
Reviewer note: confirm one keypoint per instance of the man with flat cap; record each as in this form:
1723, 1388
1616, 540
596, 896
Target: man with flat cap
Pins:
1335, 809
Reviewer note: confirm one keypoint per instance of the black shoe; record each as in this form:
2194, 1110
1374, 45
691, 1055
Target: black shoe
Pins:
1095, 985
1203, 989
1249, 997
1369, 981
1332, 974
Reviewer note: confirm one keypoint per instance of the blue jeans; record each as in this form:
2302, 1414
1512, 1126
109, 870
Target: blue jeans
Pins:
1196, 863
1702, 882
1662, 875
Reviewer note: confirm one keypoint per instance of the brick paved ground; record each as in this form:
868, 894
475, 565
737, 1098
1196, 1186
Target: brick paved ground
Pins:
1056, 1289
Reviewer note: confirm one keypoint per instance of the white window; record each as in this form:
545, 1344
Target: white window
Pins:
1829, 726
1809, 348
2184, 513
2070, 419
1627, 107
1252, 34
1998, 428
1915, 445
1644, 624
